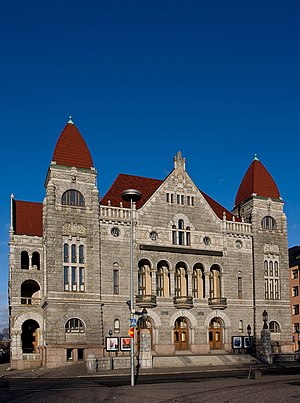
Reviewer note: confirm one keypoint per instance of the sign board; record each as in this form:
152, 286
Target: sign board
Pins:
133, 322
131, 332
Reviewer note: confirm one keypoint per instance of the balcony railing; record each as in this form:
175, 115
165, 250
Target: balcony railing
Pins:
183, 302
146, 301
30, 301
217, 303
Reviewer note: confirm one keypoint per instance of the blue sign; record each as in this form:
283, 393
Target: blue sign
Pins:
133, 322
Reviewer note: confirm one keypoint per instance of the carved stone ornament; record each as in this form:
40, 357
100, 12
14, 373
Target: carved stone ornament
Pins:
73, 229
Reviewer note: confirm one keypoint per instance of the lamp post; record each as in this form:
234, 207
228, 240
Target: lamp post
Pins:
250, 339
132, 196
110, 356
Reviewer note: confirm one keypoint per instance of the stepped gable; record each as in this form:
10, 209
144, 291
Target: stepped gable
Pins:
257, 182
71, 149
28, 217
146, 186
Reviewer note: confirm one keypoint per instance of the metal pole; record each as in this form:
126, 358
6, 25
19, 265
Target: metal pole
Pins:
131, 195
131, 295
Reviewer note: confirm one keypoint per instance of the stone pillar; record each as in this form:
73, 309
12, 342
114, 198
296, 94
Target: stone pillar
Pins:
207, 284
265, 348
145, 357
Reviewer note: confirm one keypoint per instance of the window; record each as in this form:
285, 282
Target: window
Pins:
24, 260
268, 223
116, 281
295, 273
181, 280
144, 278
215, 282
36, 260
163, 279
271, 273
181, 235
274, 327
295, 291
240, 290
74, 265
117, 326
198, 281
241, 327
74, 325
296, 328
73, 198
295, 310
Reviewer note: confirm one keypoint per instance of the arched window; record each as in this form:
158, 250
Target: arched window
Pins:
24, 260
74, 325
30, 293
144, 278
198, 281
268, 222
162, 279
117, 326
181, 280
215, 282
274, 327
74, 264
36, 260
181, 235
73, 198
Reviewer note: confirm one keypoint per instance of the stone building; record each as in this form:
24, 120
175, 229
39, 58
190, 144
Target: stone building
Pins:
203, 273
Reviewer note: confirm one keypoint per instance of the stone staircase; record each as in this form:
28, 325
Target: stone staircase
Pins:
222, 359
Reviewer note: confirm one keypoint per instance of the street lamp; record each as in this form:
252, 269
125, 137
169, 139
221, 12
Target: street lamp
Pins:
265, 316
110, 356
249, 330
132, 196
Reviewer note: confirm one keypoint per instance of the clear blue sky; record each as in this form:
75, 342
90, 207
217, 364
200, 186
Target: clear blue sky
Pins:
218, 80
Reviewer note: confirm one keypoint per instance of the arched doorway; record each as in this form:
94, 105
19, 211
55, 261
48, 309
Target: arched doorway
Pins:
30, 336
216, 334
181, 334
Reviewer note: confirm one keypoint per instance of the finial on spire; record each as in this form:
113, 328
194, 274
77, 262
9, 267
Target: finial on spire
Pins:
70, 120
255, 157
179, 160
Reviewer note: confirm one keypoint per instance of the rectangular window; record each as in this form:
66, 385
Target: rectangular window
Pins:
295, 274
192, 199
172, 198
69, 354
295, 291
188, 200
178, 199
296, 327
295, 309
73, 271
73, 253
266, 289
168, 198
240, 291
182, 199
81, 278
116, 281
66, 278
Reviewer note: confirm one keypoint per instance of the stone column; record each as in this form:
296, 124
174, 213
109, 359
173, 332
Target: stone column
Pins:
265, 348
145, 357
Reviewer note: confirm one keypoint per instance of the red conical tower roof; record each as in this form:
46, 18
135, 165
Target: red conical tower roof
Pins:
71, 149
257, 181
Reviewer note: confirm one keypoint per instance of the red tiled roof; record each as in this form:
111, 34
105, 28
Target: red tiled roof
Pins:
28, 217
147, 187
217, 208
257, 180
71, 149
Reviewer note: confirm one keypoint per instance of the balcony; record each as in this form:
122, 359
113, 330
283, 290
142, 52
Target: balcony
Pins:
30, 301
183, 302
146, 301
217, 303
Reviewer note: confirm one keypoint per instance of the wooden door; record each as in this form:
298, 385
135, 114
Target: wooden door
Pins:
215, 334
181, 334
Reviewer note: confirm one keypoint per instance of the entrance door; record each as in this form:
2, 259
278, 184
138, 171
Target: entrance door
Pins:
181, 334
30, 336
215, 334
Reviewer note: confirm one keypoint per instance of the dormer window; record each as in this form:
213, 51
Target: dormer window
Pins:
73, 198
